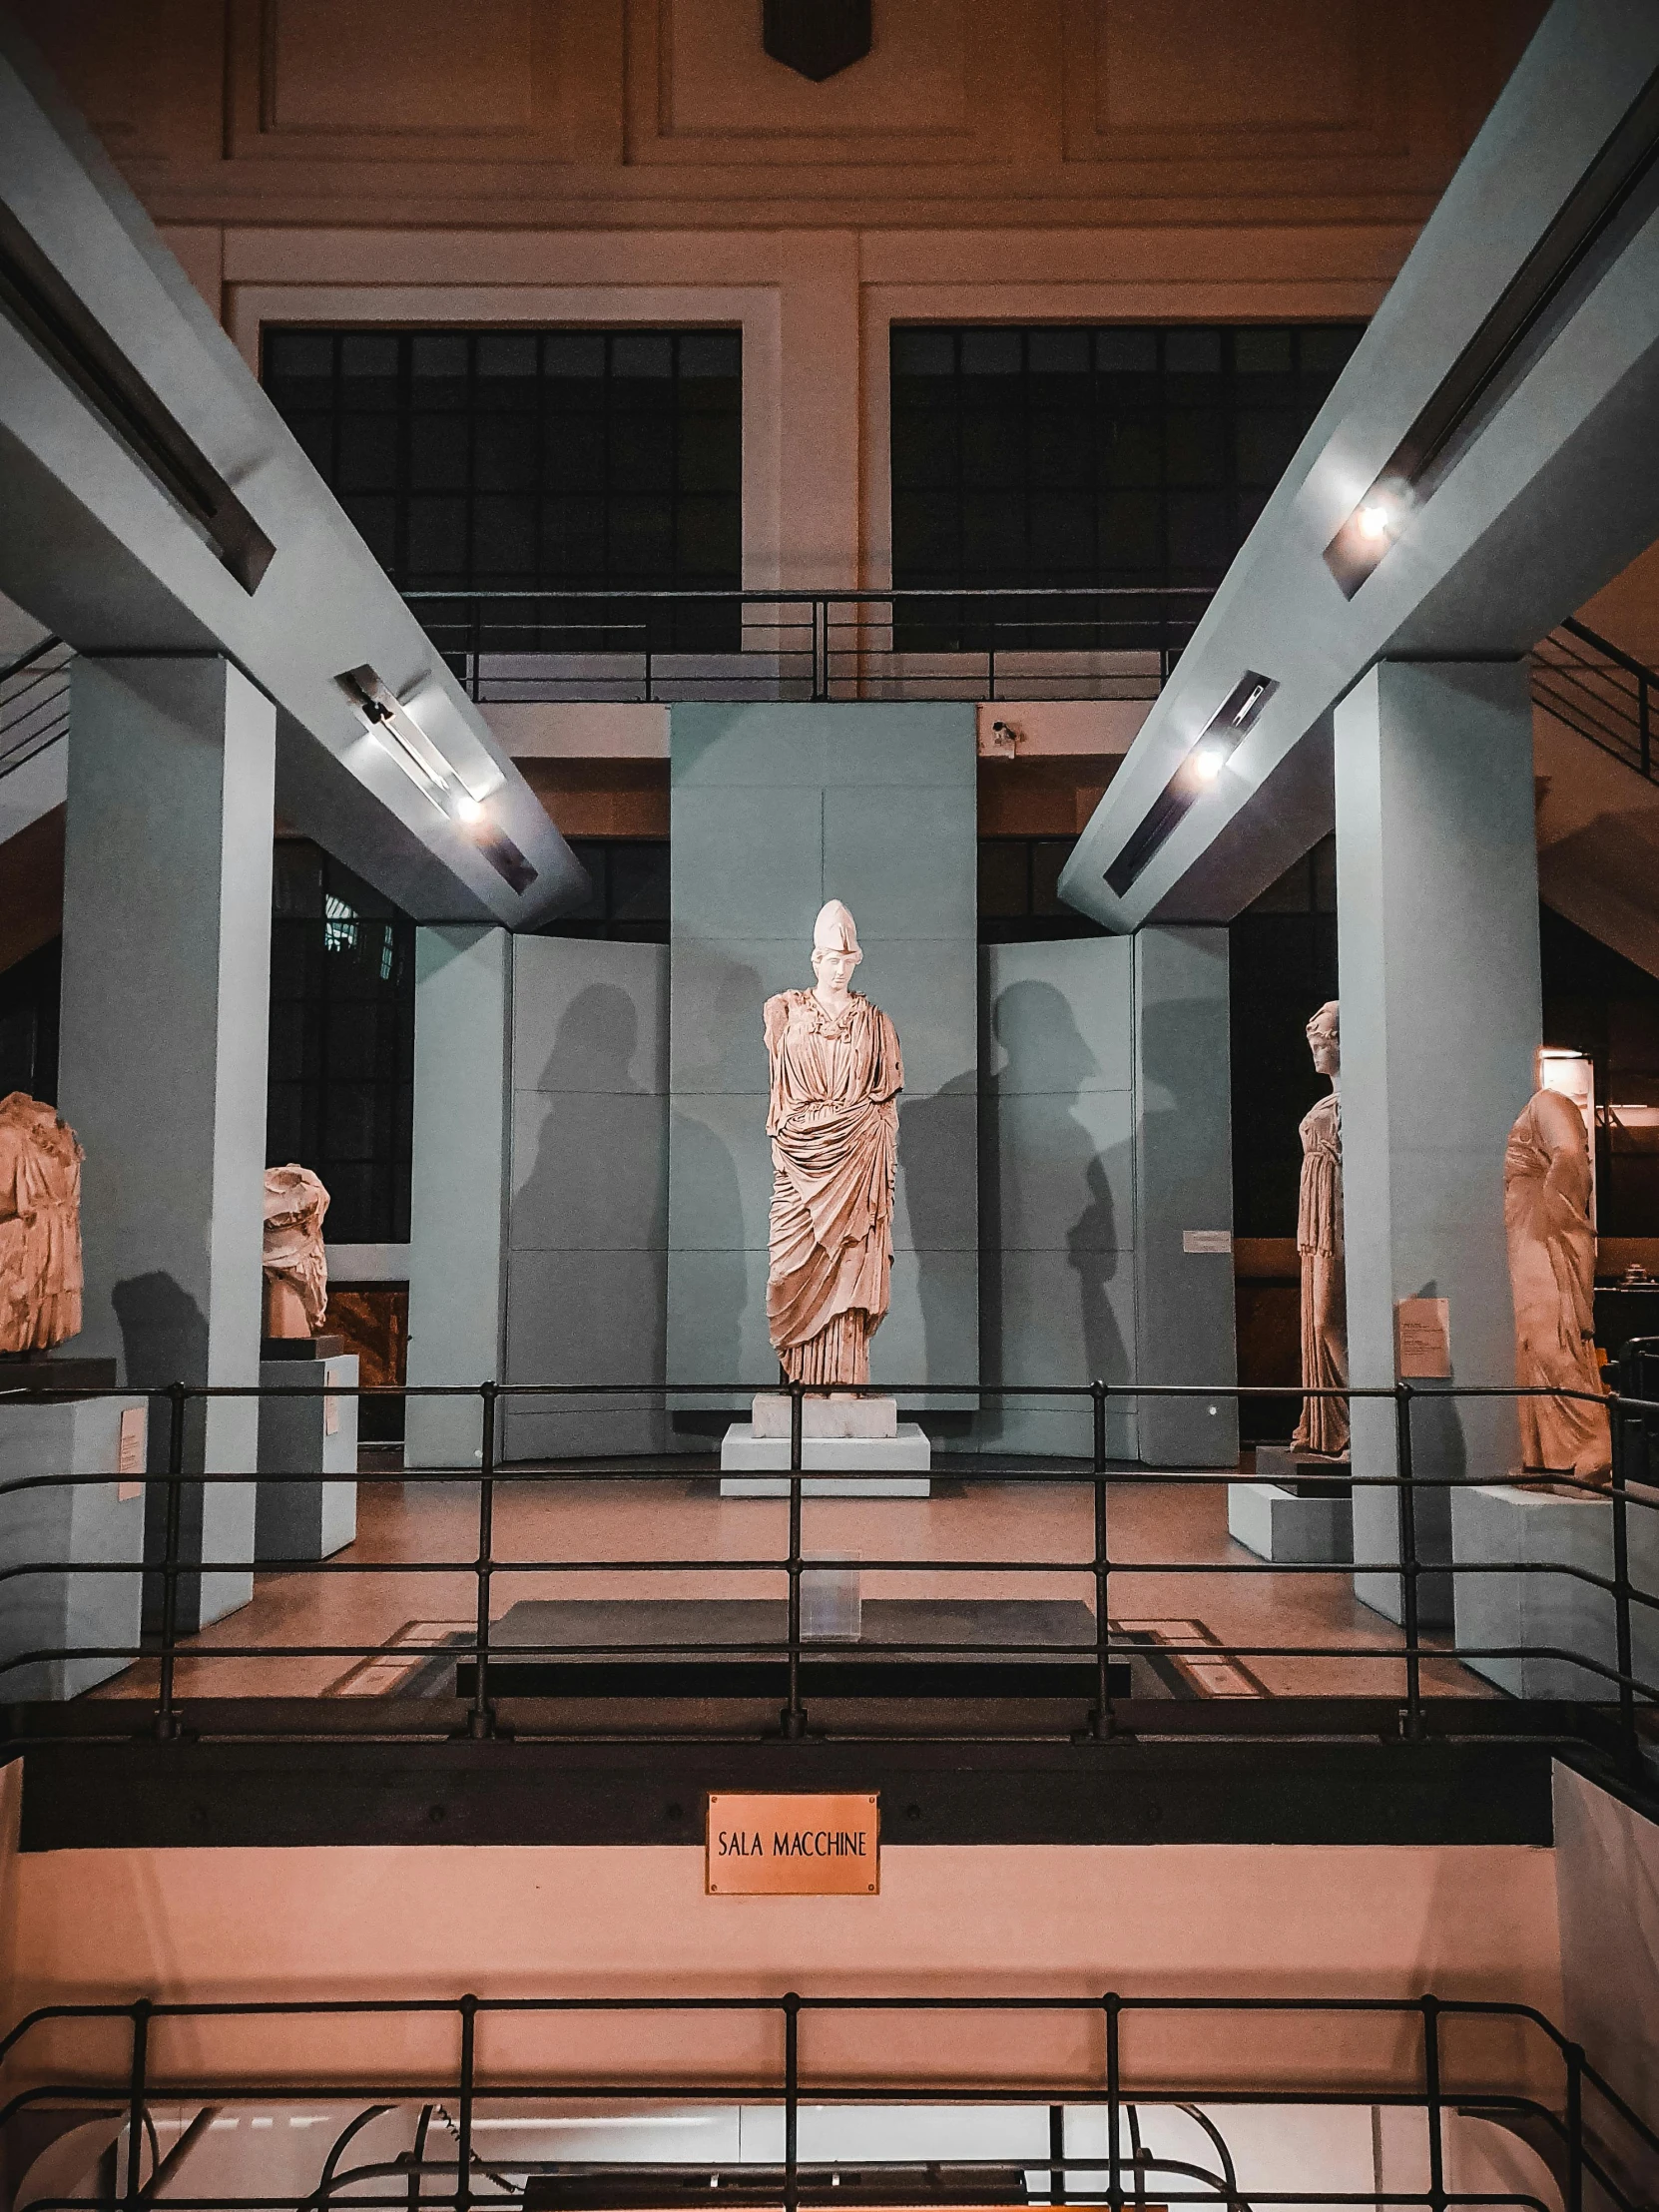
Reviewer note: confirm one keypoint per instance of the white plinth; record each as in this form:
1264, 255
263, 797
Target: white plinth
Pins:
836, 1467
827, 1416
304, 1436
1301, 1532
1543, 1613
93, 1523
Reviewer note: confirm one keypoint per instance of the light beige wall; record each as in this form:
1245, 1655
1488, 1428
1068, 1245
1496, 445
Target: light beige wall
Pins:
439, 1921
530, 161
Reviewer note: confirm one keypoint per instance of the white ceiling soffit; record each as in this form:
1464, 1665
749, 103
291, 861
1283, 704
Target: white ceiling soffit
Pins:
194, 522
1540, 490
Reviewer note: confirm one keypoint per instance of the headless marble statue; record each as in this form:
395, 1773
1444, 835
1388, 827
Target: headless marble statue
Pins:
833, 1124
1552, 1252
1323, 1427
40, 1226
296, 1263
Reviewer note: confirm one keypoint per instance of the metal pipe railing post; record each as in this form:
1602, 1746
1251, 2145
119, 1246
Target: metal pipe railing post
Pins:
791, 2102
793, 1714
1100, 1720
1407, 1521
1114, 2103
1575, 2127
1629, 1745
480, 1721
821, 647
1057, 2154
167, 1719
1644, 715
1431, 2102
136, 2094
464, 2128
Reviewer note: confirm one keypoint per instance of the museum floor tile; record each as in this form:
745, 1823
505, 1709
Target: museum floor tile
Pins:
1165, 1532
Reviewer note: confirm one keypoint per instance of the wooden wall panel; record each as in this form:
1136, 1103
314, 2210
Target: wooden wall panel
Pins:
392, 66
148, 79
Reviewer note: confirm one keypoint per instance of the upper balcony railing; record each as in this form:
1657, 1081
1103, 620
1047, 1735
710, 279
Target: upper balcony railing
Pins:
34, 702
811, 645
1599, 690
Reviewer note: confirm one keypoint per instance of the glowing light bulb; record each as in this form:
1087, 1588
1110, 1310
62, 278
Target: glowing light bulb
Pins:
1208, 762
468, 809
1373, 520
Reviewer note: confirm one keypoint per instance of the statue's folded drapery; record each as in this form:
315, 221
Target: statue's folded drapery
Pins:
1318, 1240
833, 1126
1547, 1213
40, 1227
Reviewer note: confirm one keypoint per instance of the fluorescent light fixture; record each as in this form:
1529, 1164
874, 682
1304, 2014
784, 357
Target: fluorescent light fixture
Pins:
399, 735
1217, 743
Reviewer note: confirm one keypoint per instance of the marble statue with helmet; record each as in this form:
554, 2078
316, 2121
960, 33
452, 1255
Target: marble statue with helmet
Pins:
833, 1117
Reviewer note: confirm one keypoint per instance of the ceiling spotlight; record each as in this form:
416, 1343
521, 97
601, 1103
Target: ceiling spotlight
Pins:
1209, 761
468, 809
1373, 520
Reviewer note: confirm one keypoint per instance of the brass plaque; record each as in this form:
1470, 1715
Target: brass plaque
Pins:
800, 1846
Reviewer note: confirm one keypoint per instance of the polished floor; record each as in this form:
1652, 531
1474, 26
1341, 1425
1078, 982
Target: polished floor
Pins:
408, 1581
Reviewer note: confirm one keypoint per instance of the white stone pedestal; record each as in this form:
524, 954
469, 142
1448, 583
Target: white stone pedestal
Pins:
1531, 1612
90, 1523
1276, 1524
852, 1448
303, 1436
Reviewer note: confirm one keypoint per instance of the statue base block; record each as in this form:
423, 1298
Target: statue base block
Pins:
96, 1523
1304, 1473
1540, 1620
827, 1416
896, 1465
307, 1492
1297, 1531
44, 1370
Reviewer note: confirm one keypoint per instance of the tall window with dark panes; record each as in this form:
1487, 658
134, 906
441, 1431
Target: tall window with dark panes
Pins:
546, 463
340, 1097
1064, 456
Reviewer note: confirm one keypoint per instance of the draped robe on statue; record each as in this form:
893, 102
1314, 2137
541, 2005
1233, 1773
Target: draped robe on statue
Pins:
834, 1127
1546, 1214
1318, 1242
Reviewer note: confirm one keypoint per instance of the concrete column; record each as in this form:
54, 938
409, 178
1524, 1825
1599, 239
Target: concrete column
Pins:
1184, 1321
1438, 931
165, 1011
457, 1219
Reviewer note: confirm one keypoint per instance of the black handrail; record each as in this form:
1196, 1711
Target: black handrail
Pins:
1606, 2151
1634, 1420
25, 660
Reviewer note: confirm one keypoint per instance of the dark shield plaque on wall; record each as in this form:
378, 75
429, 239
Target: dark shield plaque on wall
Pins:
816, 37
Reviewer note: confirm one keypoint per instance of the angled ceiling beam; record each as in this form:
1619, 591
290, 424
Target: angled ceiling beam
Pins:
1478, 471
155, 502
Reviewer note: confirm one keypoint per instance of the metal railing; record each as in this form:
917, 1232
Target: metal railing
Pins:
1085, 643
1474, 2058
1599, 690
1622, 1692
34, 702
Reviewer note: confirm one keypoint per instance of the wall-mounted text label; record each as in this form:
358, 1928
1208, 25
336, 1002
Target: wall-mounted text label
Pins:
818, 1845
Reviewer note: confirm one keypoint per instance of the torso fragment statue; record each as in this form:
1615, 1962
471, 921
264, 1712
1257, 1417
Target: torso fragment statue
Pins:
295, 1265
1547, 1213
833, 1125
1319, 1242
40, 1226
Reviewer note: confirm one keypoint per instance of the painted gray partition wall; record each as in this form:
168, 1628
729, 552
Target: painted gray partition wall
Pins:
587, 1237
1105, 1137
463, 983
166, 1016
774, 810
1184, 1306
1057, 1187
1438, 957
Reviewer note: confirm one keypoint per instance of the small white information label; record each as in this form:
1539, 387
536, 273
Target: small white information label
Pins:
1206, 1240
131, 1452
1423, 1340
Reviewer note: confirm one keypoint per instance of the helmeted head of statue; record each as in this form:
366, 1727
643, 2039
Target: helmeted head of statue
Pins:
835, 951
1324, 1039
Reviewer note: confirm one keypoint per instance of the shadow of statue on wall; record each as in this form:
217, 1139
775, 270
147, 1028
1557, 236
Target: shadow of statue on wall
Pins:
1046, 1062
718, 1270
937, 1170
164, 1340
593, 1209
